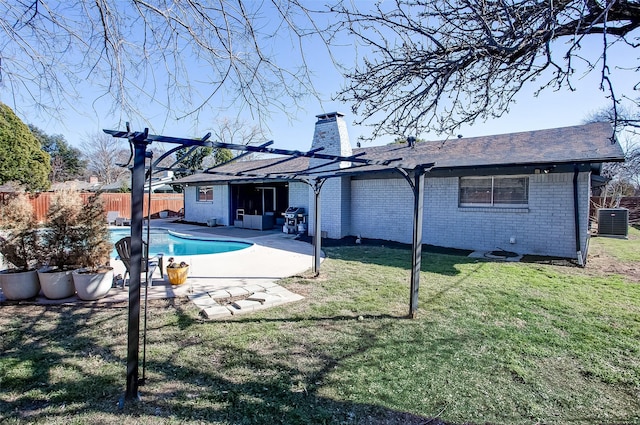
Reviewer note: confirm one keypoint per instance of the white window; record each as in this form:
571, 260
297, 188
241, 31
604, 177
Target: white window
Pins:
500, 192
204, 194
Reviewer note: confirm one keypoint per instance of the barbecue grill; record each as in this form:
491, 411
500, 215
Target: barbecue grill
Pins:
295, 220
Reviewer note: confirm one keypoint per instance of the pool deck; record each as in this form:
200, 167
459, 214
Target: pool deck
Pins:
247, 276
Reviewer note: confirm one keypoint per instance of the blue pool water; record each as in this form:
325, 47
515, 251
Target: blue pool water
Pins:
171, 243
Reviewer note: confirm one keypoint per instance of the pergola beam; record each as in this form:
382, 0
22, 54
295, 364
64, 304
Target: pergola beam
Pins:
236, 158
247, 148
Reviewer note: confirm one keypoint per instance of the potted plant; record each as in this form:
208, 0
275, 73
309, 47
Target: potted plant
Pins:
61, 245
177, 272
19, 249
95, 278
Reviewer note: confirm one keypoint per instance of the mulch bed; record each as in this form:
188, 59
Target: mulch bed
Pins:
351, 241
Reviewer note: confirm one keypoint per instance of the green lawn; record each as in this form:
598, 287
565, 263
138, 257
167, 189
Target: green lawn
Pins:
493, 343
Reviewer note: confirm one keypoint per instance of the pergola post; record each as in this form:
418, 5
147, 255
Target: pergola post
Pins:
137, 201
416, 254
317, 232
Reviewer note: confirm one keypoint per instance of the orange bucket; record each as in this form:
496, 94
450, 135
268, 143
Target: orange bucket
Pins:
177, 275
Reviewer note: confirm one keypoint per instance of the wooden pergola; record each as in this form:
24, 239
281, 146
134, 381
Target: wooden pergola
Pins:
315, 177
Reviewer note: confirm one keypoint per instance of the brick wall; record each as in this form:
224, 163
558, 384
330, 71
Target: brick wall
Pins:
383, 209
335, 208
546, 227
299, 195
200, 212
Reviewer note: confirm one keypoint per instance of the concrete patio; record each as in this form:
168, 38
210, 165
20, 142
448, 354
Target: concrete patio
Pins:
227, 284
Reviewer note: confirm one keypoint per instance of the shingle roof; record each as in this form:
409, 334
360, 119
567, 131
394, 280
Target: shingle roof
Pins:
583, 143
589, 143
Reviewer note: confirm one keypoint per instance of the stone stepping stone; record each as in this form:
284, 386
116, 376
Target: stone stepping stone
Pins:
217, 312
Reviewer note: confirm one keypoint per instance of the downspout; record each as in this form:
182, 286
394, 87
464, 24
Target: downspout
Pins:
576, 216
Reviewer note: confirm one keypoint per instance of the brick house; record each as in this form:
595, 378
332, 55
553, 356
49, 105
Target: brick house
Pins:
525, 192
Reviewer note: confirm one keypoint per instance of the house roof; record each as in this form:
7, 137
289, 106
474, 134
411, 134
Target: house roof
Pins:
583, 143
589, 143
80, 185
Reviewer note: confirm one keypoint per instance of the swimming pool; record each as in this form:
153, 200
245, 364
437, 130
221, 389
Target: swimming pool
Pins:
172, 243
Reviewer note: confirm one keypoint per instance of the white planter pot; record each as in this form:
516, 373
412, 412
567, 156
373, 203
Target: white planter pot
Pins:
19, 286
92, 286
56, 285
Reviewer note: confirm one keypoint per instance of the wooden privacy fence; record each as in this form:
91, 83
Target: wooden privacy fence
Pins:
172, 203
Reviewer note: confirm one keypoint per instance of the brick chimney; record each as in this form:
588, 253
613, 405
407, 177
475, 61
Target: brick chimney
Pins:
335, 209
332, 135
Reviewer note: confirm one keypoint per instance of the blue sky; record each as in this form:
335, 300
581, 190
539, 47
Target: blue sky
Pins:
549, 109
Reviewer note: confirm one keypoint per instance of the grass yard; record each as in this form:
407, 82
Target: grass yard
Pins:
496, 343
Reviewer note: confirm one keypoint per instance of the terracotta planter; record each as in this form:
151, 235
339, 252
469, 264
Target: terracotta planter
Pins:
92, 286
19, 285
177, 275
56, 284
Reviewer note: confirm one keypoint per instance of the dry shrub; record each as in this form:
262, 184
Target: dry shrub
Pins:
17, 213
19, 237
62, 243
96, 244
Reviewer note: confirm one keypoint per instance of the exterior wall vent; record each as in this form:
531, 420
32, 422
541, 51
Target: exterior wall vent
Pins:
613, 221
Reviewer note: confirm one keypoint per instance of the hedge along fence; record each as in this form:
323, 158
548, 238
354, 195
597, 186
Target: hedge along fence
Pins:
173, 203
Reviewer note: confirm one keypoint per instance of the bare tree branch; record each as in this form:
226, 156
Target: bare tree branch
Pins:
623, 175
102, 154
178, 54
438, 65
239, 132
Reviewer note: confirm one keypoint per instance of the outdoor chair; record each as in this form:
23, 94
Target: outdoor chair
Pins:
122, 221
112, 216
123, 246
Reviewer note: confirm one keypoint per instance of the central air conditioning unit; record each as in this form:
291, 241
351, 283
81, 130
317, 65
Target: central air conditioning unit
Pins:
613, 222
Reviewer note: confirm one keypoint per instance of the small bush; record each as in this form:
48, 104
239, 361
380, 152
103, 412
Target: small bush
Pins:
19, 237
94, 234
62, 243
